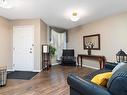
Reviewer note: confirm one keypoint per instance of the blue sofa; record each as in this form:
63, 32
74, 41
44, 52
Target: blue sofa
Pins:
117, 84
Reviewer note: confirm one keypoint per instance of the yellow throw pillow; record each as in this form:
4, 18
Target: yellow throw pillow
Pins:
102, 79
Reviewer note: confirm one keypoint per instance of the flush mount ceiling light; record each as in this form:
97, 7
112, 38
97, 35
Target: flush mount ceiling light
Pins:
75, 16
5, 4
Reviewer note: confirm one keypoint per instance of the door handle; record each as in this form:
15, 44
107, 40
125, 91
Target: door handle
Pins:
30, 52
13, 48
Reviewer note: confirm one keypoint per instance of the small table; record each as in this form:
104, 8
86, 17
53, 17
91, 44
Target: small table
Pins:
46, 64
101, 59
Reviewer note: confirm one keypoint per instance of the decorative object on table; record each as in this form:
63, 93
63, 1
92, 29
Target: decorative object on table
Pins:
89, 45
52, 51
89, 51
92, 42
121, 56
3, 74
45, 57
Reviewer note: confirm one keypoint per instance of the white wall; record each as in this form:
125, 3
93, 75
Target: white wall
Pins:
5, 43
113, 31
43, 38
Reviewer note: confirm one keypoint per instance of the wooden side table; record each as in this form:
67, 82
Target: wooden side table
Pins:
101, 59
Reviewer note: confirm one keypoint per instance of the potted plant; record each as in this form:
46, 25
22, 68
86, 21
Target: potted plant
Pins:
52, 51
90, 46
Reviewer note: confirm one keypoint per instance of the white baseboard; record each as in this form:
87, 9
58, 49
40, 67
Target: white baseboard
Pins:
32, 71
55, 64
10, 70
37, 70
90, 67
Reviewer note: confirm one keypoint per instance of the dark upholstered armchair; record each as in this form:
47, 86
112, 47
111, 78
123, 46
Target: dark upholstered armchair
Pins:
117, 85
68, 57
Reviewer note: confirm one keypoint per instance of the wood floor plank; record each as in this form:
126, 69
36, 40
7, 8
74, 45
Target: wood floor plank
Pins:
52, 82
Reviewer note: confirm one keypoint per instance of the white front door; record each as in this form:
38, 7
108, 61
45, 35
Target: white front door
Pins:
23, 48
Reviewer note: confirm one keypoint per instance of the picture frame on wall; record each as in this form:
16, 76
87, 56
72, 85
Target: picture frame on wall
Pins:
91, 42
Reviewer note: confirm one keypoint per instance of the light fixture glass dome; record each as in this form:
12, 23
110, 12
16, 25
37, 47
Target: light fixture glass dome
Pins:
4, 4
74, 17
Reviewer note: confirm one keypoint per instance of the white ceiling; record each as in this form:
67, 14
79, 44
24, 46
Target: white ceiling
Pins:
56, 12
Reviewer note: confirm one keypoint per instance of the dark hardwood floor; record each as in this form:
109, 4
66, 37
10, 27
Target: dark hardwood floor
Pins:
52, 82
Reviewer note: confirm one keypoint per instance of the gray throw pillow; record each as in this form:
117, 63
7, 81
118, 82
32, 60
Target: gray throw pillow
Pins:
119, 66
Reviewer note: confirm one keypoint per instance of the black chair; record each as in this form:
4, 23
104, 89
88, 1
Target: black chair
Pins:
68, 58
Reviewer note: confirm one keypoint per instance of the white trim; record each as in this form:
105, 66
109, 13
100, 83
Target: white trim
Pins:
32, 71
55, 64
10, 69
90, 67
37, 70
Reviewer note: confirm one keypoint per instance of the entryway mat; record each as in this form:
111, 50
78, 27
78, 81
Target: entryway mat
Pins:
24, 75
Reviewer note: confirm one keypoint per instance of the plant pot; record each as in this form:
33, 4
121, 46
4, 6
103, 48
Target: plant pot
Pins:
89, 51
53, 60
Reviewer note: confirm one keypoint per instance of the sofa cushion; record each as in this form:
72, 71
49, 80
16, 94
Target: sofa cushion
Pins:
102, 79
92, 74
71, 58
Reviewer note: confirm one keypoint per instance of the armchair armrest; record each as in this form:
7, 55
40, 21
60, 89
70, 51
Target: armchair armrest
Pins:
84, 87
61, 57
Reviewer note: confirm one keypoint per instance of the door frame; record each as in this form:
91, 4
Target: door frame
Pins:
16, 26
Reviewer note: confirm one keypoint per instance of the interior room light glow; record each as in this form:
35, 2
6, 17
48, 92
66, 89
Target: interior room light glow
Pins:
5, 4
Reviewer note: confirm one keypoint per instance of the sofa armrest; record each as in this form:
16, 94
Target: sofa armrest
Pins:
110, 65
84, 87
